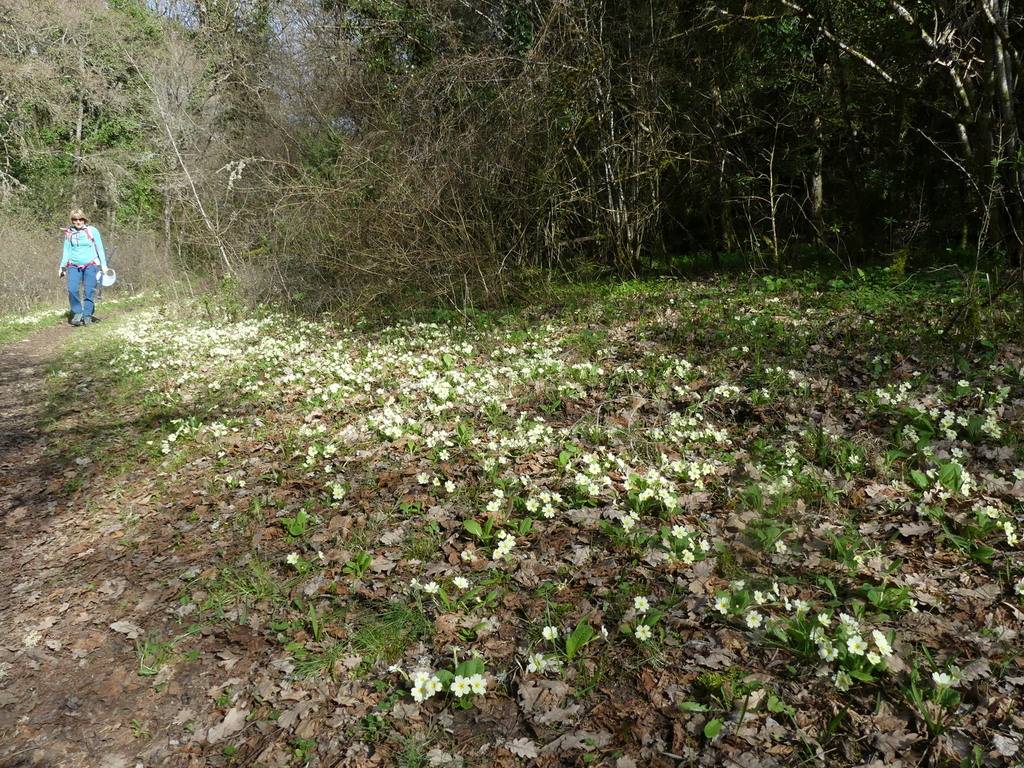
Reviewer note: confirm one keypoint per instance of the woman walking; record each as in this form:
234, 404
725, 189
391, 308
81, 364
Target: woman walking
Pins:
83, 261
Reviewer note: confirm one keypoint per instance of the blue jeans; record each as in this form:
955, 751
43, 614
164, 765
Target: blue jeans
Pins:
87, 279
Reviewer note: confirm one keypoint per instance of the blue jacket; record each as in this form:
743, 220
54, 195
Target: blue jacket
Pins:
83, 247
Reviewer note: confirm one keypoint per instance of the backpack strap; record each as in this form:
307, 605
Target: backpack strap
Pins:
69, 232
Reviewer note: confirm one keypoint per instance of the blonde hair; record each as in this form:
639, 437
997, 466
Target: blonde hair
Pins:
77, 213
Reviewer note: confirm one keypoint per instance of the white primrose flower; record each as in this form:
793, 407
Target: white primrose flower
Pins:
461, 582
424, 685
1019, 586
536, 663
856, 645
882, 643
422, 478
754, 619
824, 619
1011, 534
722, 604
827, 651
550, 633
293, 558
643, 632
842, 681
505, 546
990, 512
431, 588
478, 684
461, 686
945, 679
449, 486
801, 607
641, 604
873, 657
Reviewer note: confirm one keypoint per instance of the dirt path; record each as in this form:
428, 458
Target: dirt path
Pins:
70, 694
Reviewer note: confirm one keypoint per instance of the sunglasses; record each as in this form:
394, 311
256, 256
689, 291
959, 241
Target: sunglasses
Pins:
78, 219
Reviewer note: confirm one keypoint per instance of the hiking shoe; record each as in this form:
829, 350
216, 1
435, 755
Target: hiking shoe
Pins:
87, 321
76, 320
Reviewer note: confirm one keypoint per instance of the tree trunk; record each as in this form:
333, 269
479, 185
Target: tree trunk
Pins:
818, 185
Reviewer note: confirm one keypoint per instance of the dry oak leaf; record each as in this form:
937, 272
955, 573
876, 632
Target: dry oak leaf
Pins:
442, 759
522, 747
915, 529
1005, 746
125, 627
233, 722
542, 695
577, 740
296, 713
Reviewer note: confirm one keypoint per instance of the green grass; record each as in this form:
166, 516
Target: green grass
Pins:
246, 585
384, 635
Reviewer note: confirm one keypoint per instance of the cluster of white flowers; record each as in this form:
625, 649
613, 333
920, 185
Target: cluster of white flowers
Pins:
506, 543
684, 545
592, 478
847, 638
726, 391
545, 502
1006, 523
894, 394
628, 520
424, 685
182, 428
320, 452
692, 428
497, 502
472, 684
693, 471
217, 429
653, 486
391, 423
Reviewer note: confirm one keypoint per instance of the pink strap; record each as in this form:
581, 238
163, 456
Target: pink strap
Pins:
92, 240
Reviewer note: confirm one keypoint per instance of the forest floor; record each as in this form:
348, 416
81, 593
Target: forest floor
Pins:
745, 522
